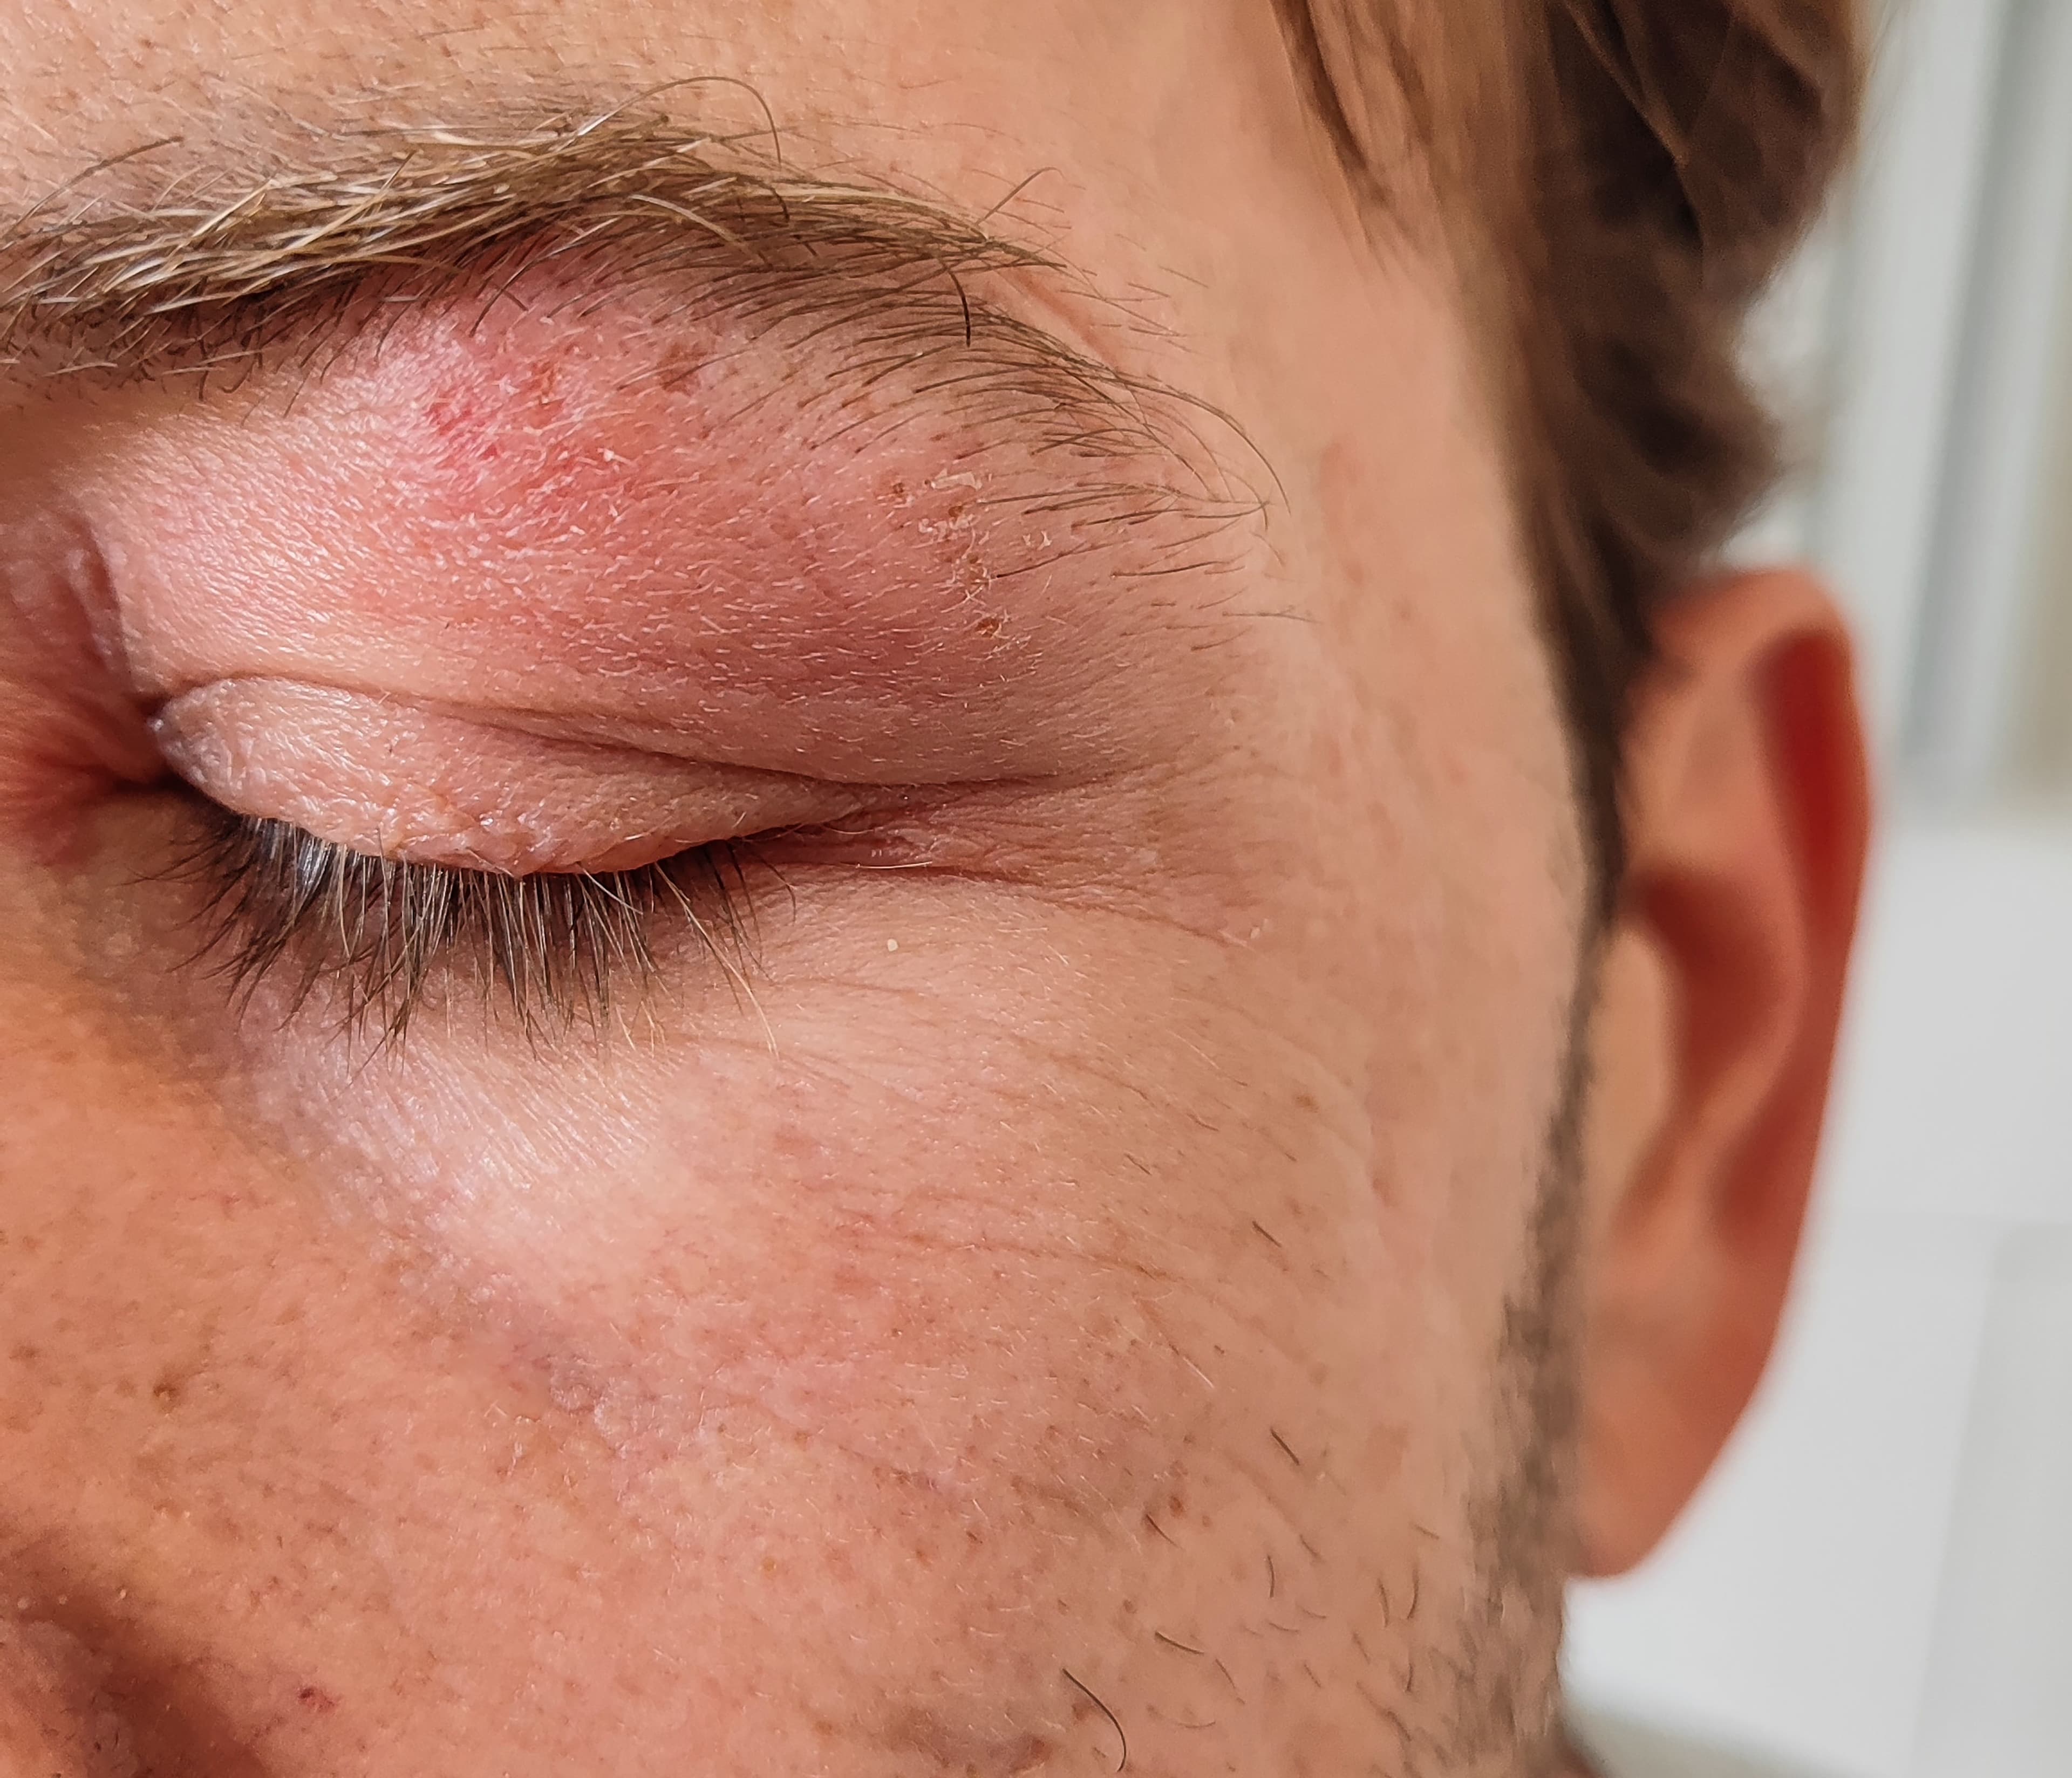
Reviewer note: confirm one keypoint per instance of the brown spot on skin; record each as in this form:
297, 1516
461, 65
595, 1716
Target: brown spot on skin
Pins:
316, 1700
970, 1753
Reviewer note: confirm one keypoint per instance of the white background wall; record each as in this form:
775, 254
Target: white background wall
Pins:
1877, 1581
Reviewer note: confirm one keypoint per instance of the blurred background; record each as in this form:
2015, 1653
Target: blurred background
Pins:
1878, 1583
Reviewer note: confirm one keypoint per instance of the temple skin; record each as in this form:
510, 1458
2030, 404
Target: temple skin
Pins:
1069, 1306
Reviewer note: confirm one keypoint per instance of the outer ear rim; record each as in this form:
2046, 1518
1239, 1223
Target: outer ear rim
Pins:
1686, 1294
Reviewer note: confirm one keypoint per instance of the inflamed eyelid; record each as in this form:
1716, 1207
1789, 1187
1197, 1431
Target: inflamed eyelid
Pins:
426, 786
651, 516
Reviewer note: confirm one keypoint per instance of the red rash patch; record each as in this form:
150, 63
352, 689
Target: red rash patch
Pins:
551, 505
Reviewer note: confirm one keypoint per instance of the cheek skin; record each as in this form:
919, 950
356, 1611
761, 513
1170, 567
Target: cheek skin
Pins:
55, 1714
863, 1356
1078, 1296
1066, 1289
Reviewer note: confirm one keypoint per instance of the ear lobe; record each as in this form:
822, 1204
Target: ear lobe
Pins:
1718, 1001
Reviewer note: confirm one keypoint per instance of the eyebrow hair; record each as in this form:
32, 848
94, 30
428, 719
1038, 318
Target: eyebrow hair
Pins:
223, 269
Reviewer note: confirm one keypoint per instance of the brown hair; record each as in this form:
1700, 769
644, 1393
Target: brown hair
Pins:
1615, 181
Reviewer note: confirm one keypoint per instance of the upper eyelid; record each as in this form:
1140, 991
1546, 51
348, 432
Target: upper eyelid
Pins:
388, 778
921, 307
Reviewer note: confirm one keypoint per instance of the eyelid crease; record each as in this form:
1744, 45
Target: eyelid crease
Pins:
418, 785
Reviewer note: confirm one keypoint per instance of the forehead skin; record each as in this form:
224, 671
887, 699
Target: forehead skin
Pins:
1107, 1306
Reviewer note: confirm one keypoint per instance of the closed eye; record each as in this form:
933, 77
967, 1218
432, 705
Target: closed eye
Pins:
378, 937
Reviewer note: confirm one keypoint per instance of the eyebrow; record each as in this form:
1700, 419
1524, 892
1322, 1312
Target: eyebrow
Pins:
221, 269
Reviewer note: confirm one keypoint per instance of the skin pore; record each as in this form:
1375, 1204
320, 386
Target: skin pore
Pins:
1143, 1230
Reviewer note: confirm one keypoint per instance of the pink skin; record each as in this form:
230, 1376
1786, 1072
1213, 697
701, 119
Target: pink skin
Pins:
888, 627
397, 780
548, 515
1082, 1243
56, 1715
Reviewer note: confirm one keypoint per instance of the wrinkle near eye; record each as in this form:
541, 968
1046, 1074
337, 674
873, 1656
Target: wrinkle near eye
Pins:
393, 780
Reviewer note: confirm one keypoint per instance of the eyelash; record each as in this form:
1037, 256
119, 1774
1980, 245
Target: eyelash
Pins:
382, 933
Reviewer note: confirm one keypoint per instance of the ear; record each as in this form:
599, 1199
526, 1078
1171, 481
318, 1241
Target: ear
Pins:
1718, 995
